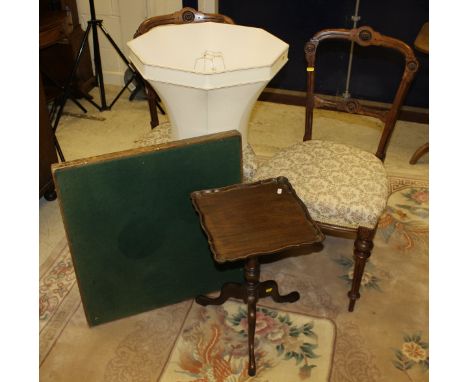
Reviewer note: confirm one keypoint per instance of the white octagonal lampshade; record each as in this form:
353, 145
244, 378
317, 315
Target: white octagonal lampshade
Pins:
208, 75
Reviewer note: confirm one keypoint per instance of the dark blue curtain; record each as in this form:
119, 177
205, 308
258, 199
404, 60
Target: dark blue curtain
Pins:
296, 21
190, 3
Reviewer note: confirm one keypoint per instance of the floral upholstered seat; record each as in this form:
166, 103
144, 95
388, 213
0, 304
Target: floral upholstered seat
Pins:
162, 134
339, 184
344, 188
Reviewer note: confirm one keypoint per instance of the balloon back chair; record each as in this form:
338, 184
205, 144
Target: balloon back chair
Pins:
184, 16
344, 188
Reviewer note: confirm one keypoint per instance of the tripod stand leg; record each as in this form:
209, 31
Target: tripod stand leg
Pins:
97, 63
66, 91
67, 88
75, 101
59, 149
134, 72
90, 100
60, 87
122, 90
124, 59
116, 47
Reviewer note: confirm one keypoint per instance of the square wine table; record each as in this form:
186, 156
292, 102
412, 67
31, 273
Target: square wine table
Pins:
245, 221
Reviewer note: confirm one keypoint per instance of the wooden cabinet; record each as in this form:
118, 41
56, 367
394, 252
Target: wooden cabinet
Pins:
60, 37
47, 153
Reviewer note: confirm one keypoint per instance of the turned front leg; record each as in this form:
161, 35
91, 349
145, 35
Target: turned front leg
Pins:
362, 250
252, 276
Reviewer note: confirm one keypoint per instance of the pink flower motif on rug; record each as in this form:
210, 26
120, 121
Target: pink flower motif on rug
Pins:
279, 330
413, 352
213, 346
405, 221
266, 326
420, 196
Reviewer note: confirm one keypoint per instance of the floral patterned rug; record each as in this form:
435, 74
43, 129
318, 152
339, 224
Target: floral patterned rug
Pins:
385, 339
213, 346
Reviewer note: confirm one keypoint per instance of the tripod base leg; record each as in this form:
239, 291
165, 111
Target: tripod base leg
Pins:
59, 149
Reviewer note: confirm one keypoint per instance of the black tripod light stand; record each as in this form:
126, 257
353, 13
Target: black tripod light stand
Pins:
93, 25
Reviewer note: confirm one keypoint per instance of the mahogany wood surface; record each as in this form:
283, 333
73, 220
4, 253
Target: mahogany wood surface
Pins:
247, 221
60, 36
52, 28
364, 36
258, 218
297, 98
422, 150
186, 15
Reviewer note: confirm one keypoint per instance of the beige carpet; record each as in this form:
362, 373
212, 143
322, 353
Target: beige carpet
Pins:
212, 345
274, 126
385, 339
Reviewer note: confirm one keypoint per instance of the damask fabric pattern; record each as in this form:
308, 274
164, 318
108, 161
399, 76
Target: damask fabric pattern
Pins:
162, 134
339, 184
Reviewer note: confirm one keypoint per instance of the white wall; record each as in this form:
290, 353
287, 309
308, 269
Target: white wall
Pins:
208, 6
120, 19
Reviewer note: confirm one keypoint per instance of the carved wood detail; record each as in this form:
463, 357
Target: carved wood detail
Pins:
186, 15
350, 105
364, 36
